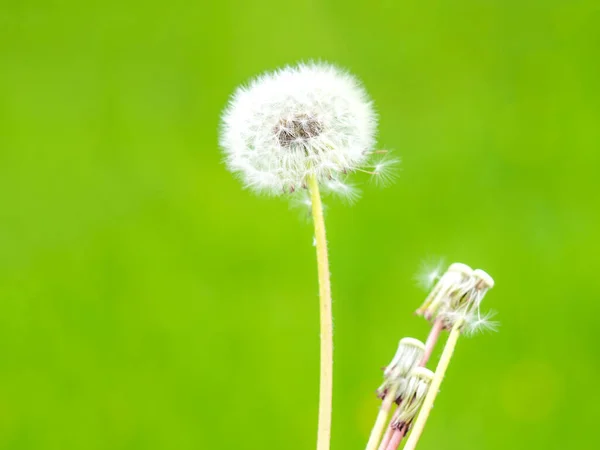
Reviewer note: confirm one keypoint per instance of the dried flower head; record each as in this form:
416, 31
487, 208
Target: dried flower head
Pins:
457, 296
307, 120
412, 397
457, 279
408, 356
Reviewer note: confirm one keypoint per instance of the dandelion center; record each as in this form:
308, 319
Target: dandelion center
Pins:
297, 130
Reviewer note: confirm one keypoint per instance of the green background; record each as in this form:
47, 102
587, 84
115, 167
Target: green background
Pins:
148, 302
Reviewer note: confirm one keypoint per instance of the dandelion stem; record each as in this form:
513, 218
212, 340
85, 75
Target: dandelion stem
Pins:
395, 440
381, 420
440, 371
387, 437
326, 378
432, 339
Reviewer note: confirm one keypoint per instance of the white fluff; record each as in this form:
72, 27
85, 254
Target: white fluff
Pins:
310, 119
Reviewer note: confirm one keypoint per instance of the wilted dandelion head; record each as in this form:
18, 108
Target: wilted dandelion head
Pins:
307, 120
408, 356
457, 297
412, 396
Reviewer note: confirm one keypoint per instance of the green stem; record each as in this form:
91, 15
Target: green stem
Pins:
440, 371
326, 379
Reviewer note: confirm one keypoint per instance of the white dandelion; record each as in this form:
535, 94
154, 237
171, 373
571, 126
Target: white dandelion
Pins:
300, 130
309, 120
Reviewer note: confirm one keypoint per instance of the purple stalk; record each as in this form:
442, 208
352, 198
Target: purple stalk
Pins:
397, 437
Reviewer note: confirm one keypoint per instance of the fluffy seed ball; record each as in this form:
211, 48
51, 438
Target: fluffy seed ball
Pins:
284, 126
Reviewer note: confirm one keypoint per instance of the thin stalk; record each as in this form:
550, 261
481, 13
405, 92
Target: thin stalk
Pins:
432, 339
382, 417
326, 378
387, 437
440, 371
397, 438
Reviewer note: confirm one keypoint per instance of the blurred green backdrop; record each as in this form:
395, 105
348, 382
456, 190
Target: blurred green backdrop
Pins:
148, 302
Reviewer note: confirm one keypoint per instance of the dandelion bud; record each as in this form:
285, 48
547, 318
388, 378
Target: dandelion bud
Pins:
307, 120
408, 356
413, 396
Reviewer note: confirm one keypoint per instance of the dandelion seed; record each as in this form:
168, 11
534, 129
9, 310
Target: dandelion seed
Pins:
478, 323
302, 202
430, 273
344, 190
384, 171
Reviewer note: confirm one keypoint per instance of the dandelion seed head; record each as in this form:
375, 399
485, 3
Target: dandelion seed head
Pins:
305, 120
408, 356
413, 395
456, 299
